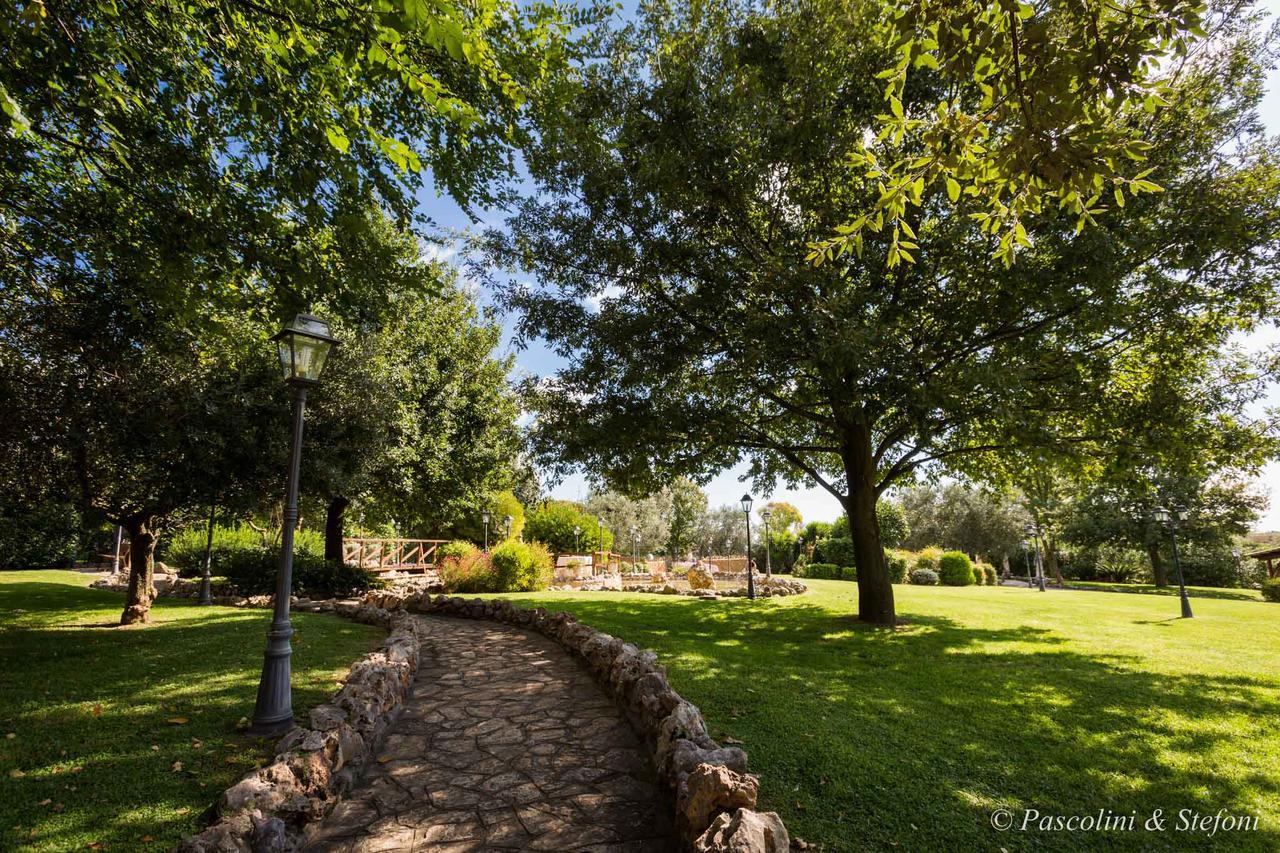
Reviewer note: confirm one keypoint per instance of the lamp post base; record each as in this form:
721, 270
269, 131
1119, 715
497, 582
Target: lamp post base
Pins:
1186, 607
273, 711
206, 591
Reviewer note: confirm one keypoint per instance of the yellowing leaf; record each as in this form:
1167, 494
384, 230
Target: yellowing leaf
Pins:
177, 721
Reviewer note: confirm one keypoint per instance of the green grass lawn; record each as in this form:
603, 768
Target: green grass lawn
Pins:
1152, 589
1067, 702
122, 737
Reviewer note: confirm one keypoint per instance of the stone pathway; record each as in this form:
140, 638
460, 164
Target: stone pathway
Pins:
506, 744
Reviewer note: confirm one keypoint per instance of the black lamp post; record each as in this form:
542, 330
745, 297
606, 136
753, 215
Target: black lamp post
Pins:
1033, 533
751, 583
577, 533
486, 515
303, 345
1171, 518
1026, 549
507, 521
635, 544
206, 578
765, 514
599, 545
1235, 552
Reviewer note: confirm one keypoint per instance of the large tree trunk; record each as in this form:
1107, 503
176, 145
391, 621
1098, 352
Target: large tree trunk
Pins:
1051, 557
142, 591
334, 524
1158, 569
875, 591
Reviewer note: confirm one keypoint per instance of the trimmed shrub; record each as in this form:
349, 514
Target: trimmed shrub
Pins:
1271, 589
928, 558
897, 566
473, 572
185, 551
955, 569
992, 578
924, 577
252, 571
458, 548
849, 573
46, 536
822, 571
837, 550
979, 576
521, 566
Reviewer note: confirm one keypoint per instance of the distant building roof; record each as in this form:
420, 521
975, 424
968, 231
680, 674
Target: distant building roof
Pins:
1268, 554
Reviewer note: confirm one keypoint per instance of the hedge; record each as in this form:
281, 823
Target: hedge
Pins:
252, 571
44, 537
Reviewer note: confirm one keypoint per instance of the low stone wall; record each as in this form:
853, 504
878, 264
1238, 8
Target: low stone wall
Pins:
715, 797
269, 808
765, 588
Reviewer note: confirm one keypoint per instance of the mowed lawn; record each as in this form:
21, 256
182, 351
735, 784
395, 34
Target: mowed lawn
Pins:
1068, 702
119, 738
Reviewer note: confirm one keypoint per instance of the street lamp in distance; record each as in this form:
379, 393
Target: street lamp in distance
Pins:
486, 515
1172, 518
767, 514
303, 346
751, 584
1033, 533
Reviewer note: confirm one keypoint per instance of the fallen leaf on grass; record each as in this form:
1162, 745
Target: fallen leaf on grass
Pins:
177, 767
729, 739
97, 712
182, 810
177, 721
44, 802
16, 774
96, 845
11, 736
147, 839
383, 759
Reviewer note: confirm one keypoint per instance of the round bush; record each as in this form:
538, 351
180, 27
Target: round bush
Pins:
457, 548
897, 566
928, 559
44, 537
1271, 589
521, 566
955, 569
924, 577
992, 578
979, 576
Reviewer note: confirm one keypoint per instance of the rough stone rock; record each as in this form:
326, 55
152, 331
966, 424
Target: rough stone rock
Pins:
744, 831
710, 789
683, 723
700, 578
686, 755
269, 836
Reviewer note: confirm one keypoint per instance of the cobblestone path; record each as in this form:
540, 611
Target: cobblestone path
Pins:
506, 744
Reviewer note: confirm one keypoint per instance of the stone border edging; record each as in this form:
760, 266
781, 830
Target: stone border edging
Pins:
775, 588
715, 797
268, 809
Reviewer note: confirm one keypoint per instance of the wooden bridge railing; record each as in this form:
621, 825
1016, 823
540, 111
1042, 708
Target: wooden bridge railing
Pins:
390, 554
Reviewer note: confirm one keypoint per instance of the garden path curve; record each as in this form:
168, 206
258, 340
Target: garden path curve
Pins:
505, 744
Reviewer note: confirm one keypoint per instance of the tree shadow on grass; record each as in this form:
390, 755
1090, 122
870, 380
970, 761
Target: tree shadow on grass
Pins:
875, 739
127, 728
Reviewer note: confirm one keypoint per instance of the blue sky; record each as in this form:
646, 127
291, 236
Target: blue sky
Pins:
816, 503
